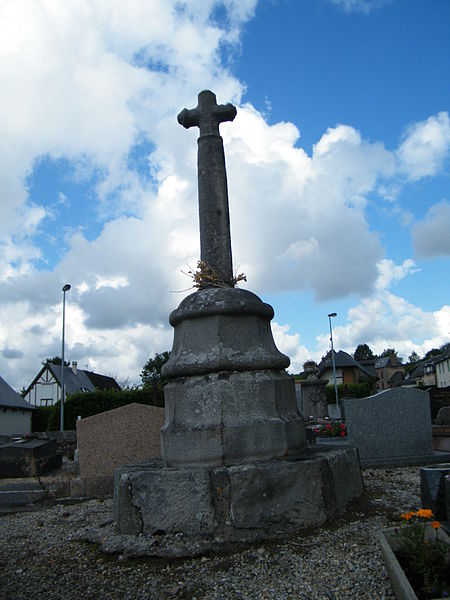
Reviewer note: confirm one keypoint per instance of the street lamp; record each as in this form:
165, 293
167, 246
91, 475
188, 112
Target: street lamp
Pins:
332, 357
65, 289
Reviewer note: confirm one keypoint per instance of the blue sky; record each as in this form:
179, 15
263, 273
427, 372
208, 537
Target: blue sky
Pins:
338, 168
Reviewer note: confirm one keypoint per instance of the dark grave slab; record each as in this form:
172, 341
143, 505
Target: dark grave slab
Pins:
28, 458
433, 489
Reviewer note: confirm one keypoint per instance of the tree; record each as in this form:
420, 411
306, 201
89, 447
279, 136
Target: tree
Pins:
432, 352
445, 347
151, 372
388, 352
363, 352
413, 358
56, 360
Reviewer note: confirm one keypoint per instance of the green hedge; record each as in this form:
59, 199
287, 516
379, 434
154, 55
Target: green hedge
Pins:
350, 390
92, 403
40, 418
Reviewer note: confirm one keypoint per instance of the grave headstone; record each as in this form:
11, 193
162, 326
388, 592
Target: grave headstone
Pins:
391, 427
432, 489
441, 430
313, 393
443, 416
28, 458
111, 439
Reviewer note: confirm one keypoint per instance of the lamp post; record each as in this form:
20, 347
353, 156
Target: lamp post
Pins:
65, 289
332, 357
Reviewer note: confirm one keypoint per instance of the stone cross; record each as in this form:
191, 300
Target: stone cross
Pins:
215, 240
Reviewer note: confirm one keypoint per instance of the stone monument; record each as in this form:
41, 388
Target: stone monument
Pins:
235, 464
313, 393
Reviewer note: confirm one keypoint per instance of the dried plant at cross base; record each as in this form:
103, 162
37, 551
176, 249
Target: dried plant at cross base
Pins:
206, 276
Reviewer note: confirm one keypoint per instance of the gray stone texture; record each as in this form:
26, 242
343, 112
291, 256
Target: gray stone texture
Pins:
234, 460
230, 417
222, 329
447, 496
432, 489
314, 398
251, 501
391, 425
228, 399
114, 438
215, 241
443, 416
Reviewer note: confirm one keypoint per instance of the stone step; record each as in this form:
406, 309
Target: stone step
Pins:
16, 493
20, 497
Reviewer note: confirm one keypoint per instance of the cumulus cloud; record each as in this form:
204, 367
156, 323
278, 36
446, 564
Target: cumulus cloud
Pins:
385, 320
425, 147
431, 237
90, 84
389, 272
289, 343
87, 80
297, 219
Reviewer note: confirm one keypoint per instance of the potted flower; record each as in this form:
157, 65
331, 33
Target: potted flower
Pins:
417, 556
329, 428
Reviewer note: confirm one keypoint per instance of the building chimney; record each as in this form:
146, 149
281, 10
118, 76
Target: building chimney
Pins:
74, 367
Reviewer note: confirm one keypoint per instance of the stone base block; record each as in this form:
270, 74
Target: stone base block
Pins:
231, 418
92, 487
218, 505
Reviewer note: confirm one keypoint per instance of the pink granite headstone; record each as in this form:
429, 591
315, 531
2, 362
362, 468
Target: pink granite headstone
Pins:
129, 434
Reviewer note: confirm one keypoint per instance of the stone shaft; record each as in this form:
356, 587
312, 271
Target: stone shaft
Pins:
215, 240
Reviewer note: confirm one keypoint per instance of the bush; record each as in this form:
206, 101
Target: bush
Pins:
92, 403
349, 390
41, 417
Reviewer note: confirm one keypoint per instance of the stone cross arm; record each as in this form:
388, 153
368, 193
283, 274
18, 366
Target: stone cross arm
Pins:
207, 114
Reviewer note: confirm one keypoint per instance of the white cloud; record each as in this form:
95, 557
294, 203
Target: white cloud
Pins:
384, 320
389, 272
425, 147
297, 219
359, 6
431, 237
289, 344
85, 82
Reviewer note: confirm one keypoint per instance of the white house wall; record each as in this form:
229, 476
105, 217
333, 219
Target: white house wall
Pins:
45, 392
14, 421
443, 373
328, 374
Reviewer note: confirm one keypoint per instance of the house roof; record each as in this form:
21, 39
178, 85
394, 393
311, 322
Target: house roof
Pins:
11, 399
397, 378
342, 359
441, 357
387, 361
419, 369
82, 381
103, 382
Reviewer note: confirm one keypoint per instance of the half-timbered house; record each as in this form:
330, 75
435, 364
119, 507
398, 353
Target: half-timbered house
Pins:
45, 389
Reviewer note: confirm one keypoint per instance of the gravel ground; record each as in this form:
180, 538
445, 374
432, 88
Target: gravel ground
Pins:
43, 555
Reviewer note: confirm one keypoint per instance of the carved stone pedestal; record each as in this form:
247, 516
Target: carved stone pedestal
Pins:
206, 508
228, 398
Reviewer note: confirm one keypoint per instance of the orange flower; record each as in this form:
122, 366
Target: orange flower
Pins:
407, 515
424, 512
435, 524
